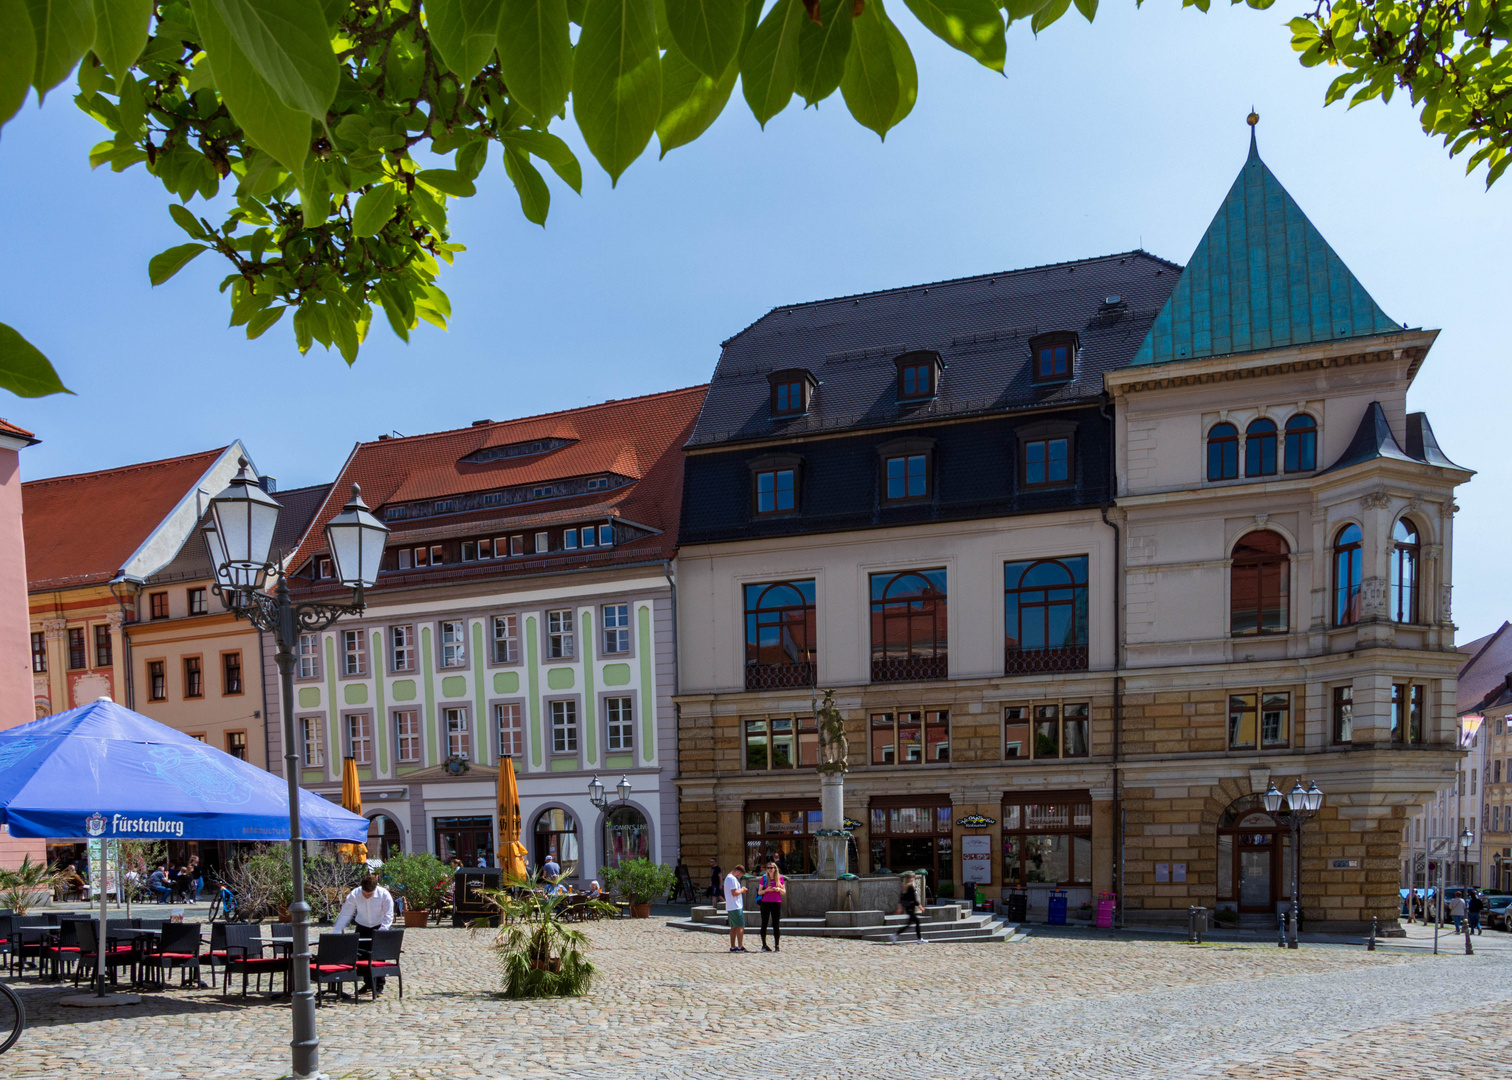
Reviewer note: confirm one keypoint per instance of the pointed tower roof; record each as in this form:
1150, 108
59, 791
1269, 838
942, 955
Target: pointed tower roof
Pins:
1372, 439
1261, 278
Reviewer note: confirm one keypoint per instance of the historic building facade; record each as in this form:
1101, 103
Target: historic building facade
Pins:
524, 610
1091, 553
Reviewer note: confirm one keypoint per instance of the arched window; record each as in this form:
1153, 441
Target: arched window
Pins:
556, 837
781, 643
625, 836
1223, 452
1260, 448
909, 621
1259, 584
1301, 444
1347, 576
1405, 550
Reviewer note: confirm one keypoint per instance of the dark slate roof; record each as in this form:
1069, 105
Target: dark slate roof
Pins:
979, 325
299, 508
1262, 277
1422, 445
1373, 439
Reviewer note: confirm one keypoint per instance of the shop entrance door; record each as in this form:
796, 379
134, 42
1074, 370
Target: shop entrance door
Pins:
465, 839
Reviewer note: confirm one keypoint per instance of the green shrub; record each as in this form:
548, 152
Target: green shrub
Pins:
640, 881
541, 955
416, 877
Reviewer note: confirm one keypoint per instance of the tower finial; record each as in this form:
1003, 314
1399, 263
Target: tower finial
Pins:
1252, 119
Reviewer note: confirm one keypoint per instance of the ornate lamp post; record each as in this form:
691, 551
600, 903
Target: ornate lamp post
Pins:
596, 791
239, 538
1301, 806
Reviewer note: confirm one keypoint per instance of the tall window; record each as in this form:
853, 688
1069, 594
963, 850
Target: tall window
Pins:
194, 677
619, 721
1408, 702
559, 639
1346, 606
910, 738
1045, 615
906, 477
616, 629
506, 639
510, 721
1260, 719
1259, 584
236, 744
1049, 842
309, 656
402, 648
908, 626
197, 604
78, 656
458, 734
453, 644
158, 602
564, 733
407, 736
360, 738
1046, 462
353, 652
1405, 550
1223, 452
1301, 444
157, 681
1059, 730
775, 491
1260, 448
312, 747
781, 743
1343, 714
39, 652
104, 654
231, 673
781, 648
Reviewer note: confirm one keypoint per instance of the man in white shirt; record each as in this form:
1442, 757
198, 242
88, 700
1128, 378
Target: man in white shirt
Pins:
734, 892
371, 907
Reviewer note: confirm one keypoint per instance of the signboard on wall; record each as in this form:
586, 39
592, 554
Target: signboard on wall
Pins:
976, 860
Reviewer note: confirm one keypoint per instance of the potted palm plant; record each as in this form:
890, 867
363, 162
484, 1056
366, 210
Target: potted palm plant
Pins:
28, 885
640, 881
541, 954
419, 879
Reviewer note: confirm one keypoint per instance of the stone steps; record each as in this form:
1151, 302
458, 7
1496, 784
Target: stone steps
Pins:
973, 928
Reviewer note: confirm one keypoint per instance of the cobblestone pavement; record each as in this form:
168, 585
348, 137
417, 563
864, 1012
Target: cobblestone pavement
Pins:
673, 1004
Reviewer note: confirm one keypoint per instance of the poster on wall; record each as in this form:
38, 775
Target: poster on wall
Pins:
976, 860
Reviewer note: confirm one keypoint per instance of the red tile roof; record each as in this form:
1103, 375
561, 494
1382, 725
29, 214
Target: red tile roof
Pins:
639, 438
81, 529
8, 428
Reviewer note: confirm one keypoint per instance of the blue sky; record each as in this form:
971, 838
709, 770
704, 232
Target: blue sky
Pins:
1100, 138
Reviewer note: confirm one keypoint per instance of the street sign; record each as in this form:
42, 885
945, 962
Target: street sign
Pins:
1440, 845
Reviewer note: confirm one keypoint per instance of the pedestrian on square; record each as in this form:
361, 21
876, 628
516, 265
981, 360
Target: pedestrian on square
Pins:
735, 908
1457, 911
908, 904
770, 893
716, 876
1473, 909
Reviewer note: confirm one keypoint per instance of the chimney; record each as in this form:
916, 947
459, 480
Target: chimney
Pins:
268, 483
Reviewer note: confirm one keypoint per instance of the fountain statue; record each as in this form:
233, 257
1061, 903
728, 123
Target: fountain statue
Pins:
834, 751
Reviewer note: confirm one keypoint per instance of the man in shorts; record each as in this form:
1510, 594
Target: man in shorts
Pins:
734, 892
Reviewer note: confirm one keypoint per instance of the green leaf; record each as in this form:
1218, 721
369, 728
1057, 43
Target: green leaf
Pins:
289, 45
616, 81
264, 319
472, 157
691, 101
62, 30
822, 49
550, 149
187, 221
1049, 14
121, 32
908, 71
871, 86
274, 127
535, 196
973, 26
535, 53
707, 33
24, 371
1088, 8
447, 181
18, 56
164, 265
464, 33
374, 210
769, 68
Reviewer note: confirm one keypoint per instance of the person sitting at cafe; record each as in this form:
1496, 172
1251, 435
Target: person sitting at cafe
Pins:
595, 891
157, 883
371, 907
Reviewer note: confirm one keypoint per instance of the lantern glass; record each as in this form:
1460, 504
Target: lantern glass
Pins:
596, 792
623, 787
245, 517
355, 539
1272, 798
1314, 796
1466, 839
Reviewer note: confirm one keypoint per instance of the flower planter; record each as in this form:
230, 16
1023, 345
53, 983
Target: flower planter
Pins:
640, 911
413, 919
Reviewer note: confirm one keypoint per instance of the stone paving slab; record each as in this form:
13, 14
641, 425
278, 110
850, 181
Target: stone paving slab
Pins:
675, 1005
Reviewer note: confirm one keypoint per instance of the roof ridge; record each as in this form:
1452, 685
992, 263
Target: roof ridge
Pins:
127, 468
1490, 640
535, 416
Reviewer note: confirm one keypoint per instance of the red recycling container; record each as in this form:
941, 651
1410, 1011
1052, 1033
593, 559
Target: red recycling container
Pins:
1106, 902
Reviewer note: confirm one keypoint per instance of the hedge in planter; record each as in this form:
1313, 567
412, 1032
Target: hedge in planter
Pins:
418, 878
640, 881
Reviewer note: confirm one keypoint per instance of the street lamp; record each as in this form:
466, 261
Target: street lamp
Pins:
596, 793
1466, 839
623, 787
239, 539
1302, 805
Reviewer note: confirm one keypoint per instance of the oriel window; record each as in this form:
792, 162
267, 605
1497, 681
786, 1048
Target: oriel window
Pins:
1259, 584
1343, 714
1346, 605
1405, 552
1408, 705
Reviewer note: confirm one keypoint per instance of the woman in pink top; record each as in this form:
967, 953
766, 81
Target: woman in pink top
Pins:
770, 893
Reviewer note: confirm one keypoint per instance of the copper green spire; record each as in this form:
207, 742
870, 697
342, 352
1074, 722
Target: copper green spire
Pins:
1261, 278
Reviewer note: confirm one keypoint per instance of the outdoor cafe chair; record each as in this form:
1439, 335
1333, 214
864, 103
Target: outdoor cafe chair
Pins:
244, 947
216, 953
117, 955
177, 948
61, 950
382, 960
335, 962
26, 939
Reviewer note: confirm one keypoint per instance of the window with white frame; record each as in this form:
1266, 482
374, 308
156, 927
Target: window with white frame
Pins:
453, 644
559, 644
309, 656
619, 720
312, 746
510, 721
360, 738
458, 735
564, 733
402, 648
353, 653
542, 542
407, 736
506, 639
616, 628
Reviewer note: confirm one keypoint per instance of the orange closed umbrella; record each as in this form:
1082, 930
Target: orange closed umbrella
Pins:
511, 851
351, 799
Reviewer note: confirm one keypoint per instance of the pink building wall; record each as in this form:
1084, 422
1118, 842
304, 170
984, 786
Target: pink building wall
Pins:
15, 625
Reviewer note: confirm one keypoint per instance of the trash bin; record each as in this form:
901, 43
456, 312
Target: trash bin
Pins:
1018, 906
1057, 907
1106, 902
468, 904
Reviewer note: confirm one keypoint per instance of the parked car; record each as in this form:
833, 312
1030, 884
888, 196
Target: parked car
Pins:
1497, 916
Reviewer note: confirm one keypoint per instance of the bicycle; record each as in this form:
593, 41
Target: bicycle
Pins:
224, 907
12, 1018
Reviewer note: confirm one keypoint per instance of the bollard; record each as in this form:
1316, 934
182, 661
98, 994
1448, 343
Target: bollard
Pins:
1370, 946
1281, 920
1191, 923
1468, 950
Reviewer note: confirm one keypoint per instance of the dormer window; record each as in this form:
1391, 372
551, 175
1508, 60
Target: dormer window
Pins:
1054, 356
791, 389
918, 375
775, 483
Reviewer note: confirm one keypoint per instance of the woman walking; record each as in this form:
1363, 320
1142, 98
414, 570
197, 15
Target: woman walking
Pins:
772, 891
908, 904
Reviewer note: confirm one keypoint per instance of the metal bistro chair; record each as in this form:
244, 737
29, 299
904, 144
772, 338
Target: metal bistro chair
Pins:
62, 949
117, 956
26, 940
382, 961
176, 948
244, 947
335, 962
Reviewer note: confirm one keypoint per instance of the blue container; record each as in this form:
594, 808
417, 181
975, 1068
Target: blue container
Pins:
1057, 907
